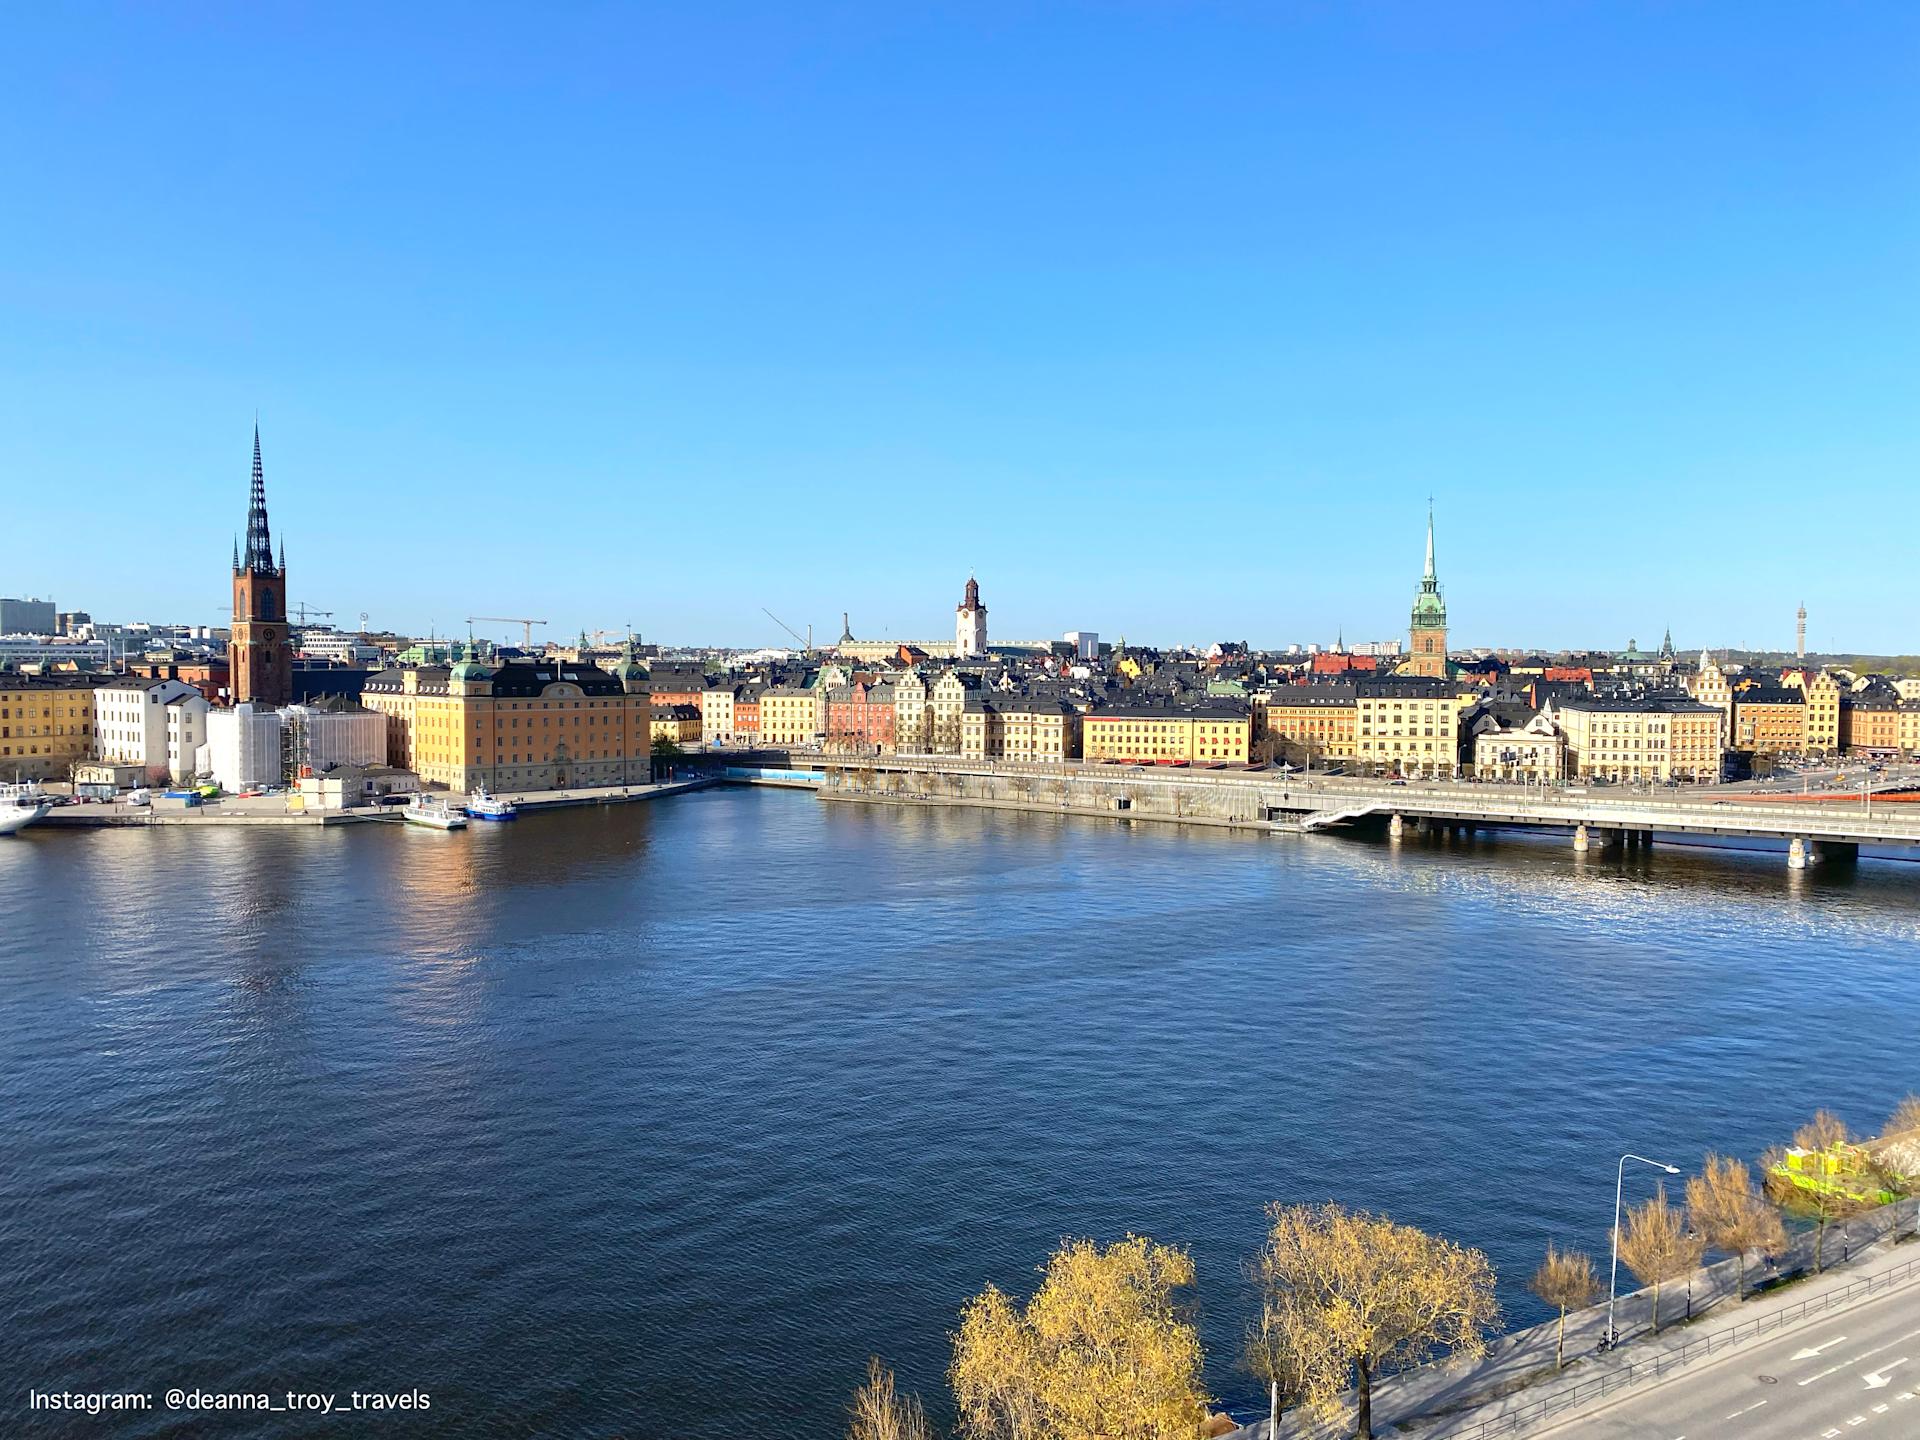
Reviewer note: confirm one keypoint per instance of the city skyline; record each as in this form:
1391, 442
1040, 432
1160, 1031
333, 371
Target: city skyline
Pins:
1163, 325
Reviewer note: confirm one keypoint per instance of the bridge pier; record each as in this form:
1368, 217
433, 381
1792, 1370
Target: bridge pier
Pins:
1797, 854
1396, 826
1580, 841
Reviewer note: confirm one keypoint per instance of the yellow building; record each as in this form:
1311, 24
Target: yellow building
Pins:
1909, 727
1772, 720
790, 715
46, 725
1407, 725
1654, 739
1308, 722
1018, 729
1822, 692
681, 724
1149, 734
525, 726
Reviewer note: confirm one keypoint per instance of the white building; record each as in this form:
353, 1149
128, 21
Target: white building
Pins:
148, 723
326, 643
970, 625
18, 650
333, 733
243, 747
1086, 643
186, 735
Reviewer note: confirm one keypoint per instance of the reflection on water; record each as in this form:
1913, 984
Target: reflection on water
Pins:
657, 1119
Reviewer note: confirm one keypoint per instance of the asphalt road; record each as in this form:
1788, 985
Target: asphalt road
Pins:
1853, 1373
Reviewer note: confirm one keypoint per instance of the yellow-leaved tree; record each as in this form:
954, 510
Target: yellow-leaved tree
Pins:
1101, 1351
1359, 1296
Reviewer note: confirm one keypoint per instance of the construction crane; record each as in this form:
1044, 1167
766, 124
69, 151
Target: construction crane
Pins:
808, 642
526, 626
306, 610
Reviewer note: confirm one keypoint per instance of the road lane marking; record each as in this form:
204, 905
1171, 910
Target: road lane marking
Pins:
1879, 1409
1738, 1413
1878, 1379
1888, 1346
1830, 1370
1812, 1350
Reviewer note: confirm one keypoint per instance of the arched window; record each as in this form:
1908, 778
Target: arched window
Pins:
266, 605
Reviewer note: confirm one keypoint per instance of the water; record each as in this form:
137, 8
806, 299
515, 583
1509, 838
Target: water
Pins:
657, 1120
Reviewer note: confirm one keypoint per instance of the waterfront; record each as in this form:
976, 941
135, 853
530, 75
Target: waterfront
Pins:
657, 1120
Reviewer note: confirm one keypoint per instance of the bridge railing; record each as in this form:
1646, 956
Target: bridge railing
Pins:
1554, 806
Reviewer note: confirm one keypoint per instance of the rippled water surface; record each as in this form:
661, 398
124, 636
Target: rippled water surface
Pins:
657, 1120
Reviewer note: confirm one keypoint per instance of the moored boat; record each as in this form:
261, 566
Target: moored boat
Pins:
433, 812
20, 806
482, 806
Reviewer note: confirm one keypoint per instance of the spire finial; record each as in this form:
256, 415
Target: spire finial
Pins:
1430, 537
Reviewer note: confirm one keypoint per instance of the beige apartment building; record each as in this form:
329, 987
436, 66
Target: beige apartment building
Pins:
790, 715
1407, 725
911, 716
1655, 739
1823, 693
1018, 729
1308, 722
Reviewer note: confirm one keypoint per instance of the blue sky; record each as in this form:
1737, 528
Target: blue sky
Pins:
1165, 319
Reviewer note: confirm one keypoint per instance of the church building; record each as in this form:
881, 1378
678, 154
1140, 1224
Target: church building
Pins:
259, 655
1429, 628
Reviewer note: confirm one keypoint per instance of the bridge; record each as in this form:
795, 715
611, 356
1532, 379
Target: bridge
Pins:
1811, 829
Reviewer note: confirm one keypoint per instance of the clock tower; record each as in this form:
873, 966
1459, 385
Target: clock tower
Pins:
1429, 628
259, 656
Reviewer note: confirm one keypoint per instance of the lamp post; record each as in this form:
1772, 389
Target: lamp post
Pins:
1619, 1180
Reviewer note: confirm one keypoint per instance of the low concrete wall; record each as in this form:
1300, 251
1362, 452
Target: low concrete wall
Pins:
1236, 805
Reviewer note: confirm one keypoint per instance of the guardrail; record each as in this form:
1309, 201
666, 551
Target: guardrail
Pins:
1635, 810
1586, 1392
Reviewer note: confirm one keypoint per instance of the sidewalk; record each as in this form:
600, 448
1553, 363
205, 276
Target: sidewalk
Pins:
1513, 1389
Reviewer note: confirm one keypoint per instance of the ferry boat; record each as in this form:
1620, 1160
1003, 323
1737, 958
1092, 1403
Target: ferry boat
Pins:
433, 812
20, 806
482, 806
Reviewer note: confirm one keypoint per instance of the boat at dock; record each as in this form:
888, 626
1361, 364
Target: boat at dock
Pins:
482, 806
433, 812
20, 806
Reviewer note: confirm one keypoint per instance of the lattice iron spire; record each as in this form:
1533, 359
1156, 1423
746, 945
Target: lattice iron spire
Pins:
259, 538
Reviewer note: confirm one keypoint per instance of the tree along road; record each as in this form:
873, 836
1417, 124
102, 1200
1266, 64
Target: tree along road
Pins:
1855, 1372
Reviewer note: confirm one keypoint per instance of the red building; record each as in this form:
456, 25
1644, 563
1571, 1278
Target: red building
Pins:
1338, 662
860, 714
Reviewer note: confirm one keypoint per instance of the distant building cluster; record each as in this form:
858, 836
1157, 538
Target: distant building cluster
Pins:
278, 698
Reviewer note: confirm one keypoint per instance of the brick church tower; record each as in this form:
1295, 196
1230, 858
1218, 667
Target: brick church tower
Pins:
259, 658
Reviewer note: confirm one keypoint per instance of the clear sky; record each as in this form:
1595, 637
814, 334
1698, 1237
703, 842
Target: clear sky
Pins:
1165, 319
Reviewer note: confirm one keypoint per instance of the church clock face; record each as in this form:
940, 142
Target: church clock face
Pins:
266, 636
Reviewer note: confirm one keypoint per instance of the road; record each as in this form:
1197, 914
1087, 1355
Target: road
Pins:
1854, 1372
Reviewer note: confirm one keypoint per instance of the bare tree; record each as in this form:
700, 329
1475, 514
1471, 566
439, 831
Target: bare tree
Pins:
881, 1413
1658, 1247
1733, 1216
1565, 1280
1905, 1117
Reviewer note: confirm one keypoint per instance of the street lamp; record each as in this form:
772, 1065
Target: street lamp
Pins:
1619, 1179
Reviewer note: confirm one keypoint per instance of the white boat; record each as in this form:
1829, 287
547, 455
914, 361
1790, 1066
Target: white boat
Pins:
482, 806
433, 812
20, 806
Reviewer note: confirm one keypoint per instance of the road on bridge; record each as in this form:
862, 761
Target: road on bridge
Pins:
1855, 1373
